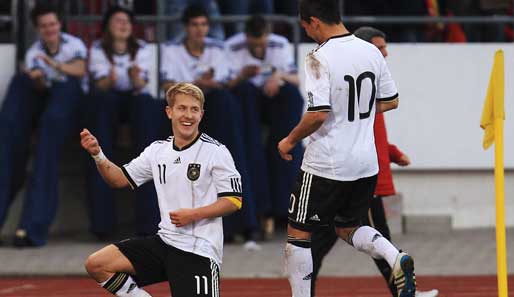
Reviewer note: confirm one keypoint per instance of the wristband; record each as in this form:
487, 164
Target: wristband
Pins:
99, 157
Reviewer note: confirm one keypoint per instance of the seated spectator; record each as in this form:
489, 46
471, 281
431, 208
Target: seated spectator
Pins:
119, 65
177, 7
44, 96
201, 60
263, 75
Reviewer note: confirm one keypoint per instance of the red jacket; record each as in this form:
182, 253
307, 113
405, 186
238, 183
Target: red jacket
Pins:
387, 153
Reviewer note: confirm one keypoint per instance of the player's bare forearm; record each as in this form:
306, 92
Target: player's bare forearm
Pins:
310, 122
112, 174
221, 207
383, 106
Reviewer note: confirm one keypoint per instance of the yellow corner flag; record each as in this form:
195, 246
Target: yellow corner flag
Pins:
493, 105
493, 116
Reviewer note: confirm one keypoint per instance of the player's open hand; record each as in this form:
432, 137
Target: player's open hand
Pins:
182, 217
284, 147
89, 142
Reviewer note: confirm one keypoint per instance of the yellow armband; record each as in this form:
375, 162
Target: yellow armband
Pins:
236, 201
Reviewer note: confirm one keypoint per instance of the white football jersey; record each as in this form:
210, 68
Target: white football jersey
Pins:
278, 57
70, 48
194, 176
178, 65
100, 66
345, 76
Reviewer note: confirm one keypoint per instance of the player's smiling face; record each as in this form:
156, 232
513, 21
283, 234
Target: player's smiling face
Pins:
185, 115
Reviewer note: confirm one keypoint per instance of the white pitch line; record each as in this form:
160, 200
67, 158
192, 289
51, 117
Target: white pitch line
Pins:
17, 288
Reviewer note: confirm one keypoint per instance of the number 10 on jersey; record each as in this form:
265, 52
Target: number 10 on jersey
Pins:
352, 83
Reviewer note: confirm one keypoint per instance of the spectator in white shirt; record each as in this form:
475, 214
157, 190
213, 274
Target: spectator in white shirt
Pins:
263, 75
119, 65
45, 95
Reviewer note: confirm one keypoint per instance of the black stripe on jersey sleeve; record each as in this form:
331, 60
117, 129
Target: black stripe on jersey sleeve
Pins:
320, 108
230, 194
130, 180
388, 98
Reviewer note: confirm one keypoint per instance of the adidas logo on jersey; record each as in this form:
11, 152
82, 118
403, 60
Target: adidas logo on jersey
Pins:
177, 161
314, 218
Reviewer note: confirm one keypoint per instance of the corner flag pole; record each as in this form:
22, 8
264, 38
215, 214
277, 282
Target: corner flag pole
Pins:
493, 117
501, 245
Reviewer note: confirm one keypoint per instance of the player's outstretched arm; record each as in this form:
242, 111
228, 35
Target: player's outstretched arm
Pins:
109, 171
222, 207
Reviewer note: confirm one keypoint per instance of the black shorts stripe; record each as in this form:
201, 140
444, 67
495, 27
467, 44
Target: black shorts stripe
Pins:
303, 204
391, 98
130, 180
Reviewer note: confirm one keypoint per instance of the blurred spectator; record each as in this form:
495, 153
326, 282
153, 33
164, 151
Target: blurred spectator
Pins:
177, 7
202, 61
119, 65
45, 95
263, 75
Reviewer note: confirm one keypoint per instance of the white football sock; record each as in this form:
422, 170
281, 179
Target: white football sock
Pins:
123, 285
370, 241
299, 269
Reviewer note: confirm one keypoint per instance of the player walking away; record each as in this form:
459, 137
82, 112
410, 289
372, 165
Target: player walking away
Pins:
347, 82
324, 237
196, 183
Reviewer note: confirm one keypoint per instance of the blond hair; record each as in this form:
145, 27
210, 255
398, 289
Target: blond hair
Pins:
186, 89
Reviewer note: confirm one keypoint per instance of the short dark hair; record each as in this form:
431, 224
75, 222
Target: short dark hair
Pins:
328, 11
257, 26
193, 11
42, 9
367, 33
